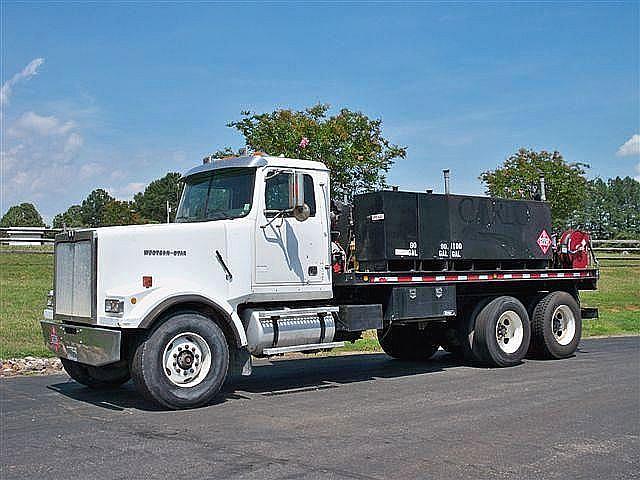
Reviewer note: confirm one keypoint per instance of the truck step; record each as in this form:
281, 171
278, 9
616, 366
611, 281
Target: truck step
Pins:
302, 348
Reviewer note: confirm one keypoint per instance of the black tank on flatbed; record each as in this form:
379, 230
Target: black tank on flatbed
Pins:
426, 231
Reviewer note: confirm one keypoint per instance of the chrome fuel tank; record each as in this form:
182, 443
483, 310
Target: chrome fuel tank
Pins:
268, 331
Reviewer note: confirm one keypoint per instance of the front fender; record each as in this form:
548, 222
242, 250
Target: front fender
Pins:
152, 303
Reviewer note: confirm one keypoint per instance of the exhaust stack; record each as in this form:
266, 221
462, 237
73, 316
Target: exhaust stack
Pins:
447, 189
543, 193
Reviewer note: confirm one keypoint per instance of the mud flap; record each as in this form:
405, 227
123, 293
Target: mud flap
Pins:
239, 362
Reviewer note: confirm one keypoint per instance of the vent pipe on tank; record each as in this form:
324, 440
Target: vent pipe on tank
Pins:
447, 189
543, 193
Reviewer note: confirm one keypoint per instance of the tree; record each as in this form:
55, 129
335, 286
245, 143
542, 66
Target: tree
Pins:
349, 143
519, 177
94, 208
611, 209
119, 213
72, 218
151, 205
22, 215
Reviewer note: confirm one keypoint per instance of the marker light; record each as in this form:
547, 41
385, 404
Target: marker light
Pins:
147, 281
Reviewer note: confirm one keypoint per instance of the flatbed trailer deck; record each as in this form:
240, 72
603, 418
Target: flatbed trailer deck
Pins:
584, 279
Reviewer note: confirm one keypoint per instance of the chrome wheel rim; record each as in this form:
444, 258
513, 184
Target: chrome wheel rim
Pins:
509, 332
186, 359
563, 324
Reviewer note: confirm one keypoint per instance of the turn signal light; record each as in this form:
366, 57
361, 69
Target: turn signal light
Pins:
147, 281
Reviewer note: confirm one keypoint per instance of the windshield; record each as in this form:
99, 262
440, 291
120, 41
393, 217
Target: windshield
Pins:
218, 194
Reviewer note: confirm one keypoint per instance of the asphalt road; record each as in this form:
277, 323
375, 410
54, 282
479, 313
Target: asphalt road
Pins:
358, 417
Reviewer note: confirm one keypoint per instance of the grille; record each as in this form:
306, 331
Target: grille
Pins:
74, 261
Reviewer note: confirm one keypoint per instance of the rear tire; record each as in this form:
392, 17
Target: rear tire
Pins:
499, 332
556, 326
97, 378
407, 342
183, 363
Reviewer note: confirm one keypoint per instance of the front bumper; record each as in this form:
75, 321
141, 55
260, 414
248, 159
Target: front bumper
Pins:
88, 345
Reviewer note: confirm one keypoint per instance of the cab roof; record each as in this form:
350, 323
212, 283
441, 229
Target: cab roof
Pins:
255, 161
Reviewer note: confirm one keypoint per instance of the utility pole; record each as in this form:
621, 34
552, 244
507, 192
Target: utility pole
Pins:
168, 212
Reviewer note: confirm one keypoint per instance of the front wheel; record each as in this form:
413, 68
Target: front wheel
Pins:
98, 378
183, 362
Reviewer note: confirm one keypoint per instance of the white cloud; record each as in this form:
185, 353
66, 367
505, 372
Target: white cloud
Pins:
126, 192
73, 143
27, 72
630, 147
39, 159
91, 169
31, 123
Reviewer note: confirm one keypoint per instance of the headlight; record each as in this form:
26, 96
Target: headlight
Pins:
50, 299
113, 305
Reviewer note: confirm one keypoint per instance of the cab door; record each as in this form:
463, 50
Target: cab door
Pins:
289, 251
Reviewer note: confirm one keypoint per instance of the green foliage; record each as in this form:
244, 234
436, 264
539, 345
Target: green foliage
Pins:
349, 143
22, 215
94, 208
519, 178
151, 205
119, 213
611, 209
72, 218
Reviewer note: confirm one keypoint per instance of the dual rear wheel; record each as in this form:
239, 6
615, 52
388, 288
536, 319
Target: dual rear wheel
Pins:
497, 332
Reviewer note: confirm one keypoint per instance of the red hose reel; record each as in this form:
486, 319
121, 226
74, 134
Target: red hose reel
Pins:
573, 249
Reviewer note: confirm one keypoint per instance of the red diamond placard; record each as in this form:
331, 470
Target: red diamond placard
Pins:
544, 241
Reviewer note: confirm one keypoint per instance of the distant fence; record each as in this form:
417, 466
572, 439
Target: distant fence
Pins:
627, 251
28, 239
28, 235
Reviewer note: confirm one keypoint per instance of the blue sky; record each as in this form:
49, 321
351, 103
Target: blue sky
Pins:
115, 95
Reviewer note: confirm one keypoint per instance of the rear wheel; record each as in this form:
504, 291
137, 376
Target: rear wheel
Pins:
105, 377
183, 362
556, 326
499, 333
407, 342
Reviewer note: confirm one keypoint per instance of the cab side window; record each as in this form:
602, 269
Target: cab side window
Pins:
309, 194
277, 193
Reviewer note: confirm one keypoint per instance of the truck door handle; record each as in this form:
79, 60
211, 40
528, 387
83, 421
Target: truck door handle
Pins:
313, 270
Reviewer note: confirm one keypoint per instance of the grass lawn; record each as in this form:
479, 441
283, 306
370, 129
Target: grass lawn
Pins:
25, 280
618, 298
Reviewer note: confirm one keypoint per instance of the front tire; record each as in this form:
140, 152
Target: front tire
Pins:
407, 342
97, 378
556, 326
183, 363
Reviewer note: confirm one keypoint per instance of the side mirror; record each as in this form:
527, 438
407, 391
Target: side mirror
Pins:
300, 210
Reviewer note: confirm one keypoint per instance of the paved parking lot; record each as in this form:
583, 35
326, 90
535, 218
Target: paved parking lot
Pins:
357, 416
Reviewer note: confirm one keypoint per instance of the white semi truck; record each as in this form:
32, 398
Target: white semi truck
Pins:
260, 261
